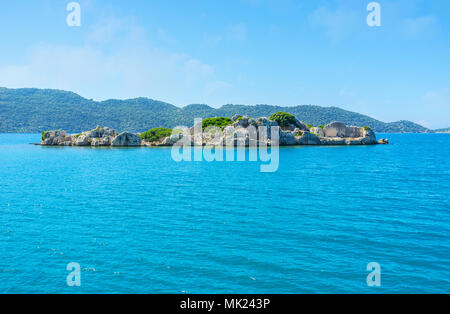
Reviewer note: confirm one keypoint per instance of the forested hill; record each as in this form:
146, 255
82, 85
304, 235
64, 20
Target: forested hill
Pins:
446, 130
36, 110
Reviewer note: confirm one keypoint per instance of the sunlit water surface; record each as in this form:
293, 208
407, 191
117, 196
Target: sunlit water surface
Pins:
138, 222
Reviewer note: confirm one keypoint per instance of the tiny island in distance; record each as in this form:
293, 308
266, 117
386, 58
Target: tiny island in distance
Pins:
291, 132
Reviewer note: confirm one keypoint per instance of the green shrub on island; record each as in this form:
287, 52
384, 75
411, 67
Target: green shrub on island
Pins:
321, 127
310, 126
284, 119
44, 135
242, 117
367, 128
220, 122
156, 134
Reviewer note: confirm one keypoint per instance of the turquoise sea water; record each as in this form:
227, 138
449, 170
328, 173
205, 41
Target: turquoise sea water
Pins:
138, 222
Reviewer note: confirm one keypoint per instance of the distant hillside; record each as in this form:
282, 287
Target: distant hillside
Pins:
446, 130
36, 110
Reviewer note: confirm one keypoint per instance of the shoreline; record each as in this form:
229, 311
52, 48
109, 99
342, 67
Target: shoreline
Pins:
281, 129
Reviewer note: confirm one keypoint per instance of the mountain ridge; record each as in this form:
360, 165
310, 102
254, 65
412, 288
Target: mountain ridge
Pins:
35, 110
444, 130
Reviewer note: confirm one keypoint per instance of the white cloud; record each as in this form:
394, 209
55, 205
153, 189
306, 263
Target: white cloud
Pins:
338, 23
115, 62
112, 30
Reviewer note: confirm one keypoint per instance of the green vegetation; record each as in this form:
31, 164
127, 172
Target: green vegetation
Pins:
44, 135
37, 110
446, 130
321, 126
219, 122
283, 119
310, 126
367, 128
154, 135
242, 117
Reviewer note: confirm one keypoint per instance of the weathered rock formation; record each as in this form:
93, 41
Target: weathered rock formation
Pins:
97, 138
244, 131
126, 139
56, 138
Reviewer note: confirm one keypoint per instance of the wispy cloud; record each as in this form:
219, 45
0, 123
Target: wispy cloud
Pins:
114, 30
419, 27
131, 68
163, 36
336, 23
439, 99
238, 32
433, 104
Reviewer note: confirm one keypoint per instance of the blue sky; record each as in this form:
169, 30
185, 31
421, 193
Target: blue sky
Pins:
282, 52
